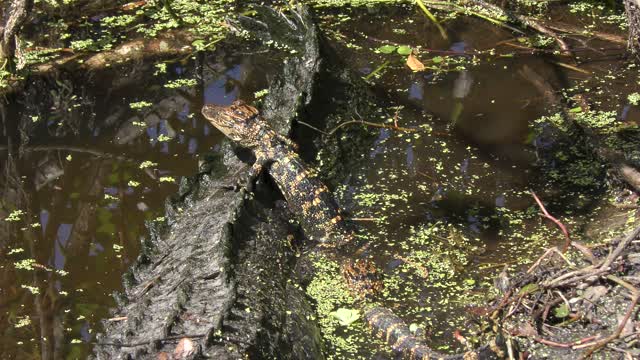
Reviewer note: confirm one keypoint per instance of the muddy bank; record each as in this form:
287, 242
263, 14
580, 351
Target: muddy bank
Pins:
576, 306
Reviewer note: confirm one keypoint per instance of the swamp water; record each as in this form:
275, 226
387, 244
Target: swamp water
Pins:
445, 205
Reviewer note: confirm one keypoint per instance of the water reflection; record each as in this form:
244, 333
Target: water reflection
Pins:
80, 206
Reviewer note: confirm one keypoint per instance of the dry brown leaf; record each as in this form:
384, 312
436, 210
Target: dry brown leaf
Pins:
133, 5
414, 64
185, 348
524, 330
163, 356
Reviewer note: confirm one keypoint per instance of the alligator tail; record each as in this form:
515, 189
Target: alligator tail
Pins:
396, 333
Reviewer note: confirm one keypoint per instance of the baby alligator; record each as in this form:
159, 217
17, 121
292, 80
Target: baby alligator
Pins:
320, 217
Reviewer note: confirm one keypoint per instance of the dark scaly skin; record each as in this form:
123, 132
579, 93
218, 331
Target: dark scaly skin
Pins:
320, 216
397, 334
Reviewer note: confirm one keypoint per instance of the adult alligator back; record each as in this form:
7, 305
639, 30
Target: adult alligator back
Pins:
321, 219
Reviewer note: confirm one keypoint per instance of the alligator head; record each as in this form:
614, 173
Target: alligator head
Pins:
238, 121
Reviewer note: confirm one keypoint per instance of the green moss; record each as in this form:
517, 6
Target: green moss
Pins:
118, 21
328, 289
603, 122
204, 19
557, 120
355, 3
599, 12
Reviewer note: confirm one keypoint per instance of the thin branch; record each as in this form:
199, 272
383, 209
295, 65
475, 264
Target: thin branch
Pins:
574, 30
367, 123
565, 345
312, 127
526, 21
624, 284
549, 251
609, 260
556, 221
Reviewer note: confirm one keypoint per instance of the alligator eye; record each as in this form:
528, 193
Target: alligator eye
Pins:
250, 118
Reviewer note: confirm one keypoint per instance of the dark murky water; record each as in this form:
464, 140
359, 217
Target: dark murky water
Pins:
85, 190
86, 184
448, 207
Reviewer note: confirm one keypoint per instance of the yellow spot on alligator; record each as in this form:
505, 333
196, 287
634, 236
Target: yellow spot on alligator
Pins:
401, 340
390, 330
316, 201
336, 219
413, 353
320, 190
374, 319
306, 206
301, 176
271, 153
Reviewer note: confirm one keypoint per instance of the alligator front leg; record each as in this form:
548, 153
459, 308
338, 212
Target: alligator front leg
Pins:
262, 162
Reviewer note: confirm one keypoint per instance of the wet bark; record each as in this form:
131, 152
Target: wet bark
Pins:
218, 271
13, 16
632, 9
170, 43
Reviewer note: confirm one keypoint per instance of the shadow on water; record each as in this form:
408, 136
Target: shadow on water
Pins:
85, 163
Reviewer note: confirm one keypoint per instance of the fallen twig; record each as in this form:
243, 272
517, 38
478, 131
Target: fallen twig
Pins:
312, 127
571, 67
549, 251
591, 270
376, 70
618, 250
623, 283
565, 345
119, 318
365, 219
575, 276
574, 30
